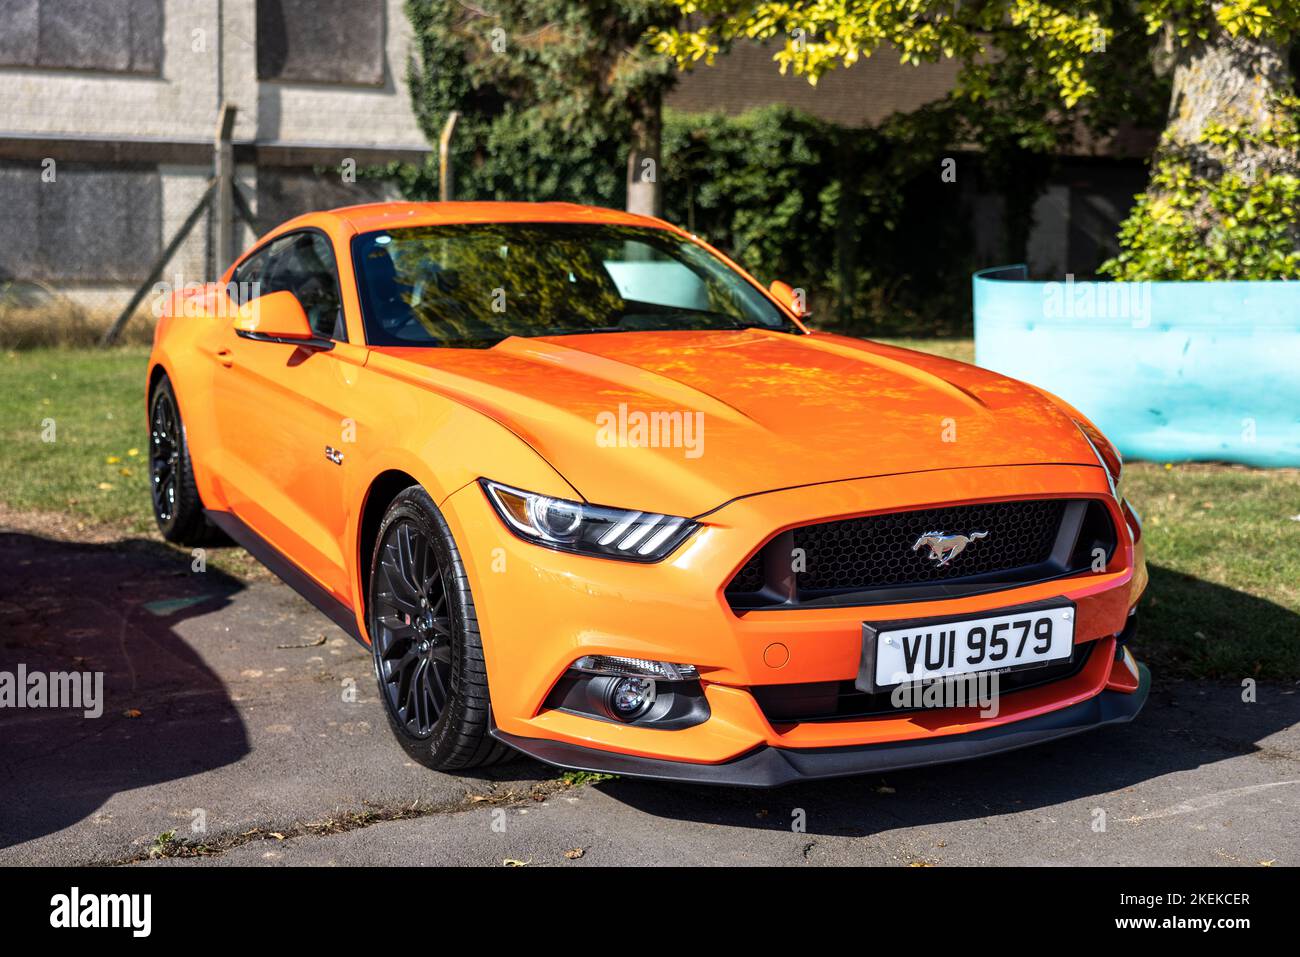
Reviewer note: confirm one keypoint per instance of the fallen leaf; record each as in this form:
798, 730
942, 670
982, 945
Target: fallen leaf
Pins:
112, 460
104, 486
574, 853
277, 835
1267, 863
885, 789
132, 452
306, 644
132, 713
511, 862
920, 864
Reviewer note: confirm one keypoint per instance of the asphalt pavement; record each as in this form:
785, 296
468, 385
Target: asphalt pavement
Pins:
240, 726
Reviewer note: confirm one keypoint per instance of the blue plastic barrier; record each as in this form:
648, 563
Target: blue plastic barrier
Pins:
1169, 371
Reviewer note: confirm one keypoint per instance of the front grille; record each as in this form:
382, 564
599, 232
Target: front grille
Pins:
841, 700
877, 550
750, 576
874, 559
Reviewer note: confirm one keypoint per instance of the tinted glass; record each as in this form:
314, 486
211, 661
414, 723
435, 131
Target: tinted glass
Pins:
300, 263
476, 284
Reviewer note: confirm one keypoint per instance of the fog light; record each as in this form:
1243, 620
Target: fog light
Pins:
631, 697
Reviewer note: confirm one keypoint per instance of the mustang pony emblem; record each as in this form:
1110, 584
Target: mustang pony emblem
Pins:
944, 548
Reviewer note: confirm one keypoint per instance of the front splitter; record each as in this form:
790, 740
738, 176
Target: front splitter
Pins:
768, 766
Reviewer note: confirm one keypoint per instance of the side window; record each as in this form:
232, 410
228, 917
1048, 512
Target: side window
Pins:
246, 281
300, 263
304, 266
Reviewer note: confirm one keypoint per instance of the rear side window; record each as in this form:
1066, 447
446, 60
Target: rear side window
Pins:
303, 264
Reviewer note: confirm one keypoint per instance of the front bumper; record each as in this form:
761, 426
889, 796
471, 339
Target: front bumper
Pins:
769, 766
539, 610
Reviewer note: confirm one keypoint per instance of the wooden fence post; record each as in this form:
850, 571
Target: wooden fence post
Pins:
224, 205
446, 175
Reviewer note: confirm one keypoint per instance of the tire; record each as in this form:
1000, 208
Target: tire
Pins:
425, 644
177, 508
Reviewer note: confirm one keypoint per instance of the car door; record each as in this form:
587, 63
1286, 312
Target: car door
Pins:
282, 411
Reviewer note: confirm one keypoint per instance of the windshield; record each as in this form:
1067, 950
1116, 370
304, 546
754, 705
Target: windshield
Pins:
474, 284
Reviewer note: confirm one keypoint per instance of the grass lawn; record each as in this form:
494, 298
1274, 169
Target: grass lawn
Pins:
1222, 541
95, 402
961, 349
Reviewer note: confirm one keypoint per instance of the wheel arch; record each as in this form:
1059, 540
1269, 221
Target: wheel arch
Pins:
383, 488
157, 372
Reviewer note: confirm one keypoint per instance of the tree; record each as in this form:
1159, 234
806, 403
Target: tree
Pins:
542, 82
1222, 200
1224, 196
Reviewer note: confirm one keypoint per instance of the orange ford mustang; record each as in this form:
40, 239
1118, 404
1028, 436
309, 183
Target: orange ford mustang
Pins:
591, 493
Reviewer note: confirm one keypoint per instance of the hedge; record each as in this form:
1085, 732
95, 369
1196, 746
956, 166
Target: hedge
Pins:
859, 218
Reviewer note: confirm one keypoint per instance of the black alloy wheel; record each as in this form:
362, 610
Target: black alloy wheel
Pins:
425, 643
164, 456
412, 629
177, 507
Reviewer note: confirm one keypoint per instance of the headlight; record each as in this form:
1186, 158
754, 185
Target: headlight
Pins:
589, 529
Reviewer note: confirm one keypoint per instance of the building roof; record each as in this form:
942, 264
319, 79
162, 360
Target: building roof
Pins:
860, 95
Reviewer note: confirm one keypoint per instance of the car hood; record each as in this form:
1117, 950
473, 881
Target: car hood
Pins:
682, 422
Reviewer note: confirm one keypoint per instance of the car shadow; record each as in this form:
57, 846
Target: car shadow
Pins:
110, 609
1186, 724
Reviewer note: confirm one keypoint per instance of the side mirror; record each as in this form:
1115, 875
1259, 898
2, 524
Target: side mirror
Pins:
791, 298
277, 317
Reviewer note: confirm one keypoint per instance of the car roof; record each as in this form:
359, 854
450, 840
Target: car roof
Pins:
372, 216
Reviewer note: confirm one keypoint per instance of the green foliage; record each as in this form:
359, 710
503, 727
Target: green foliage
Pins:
1192, 20
820, 35
1198, 220
548, 91
1060, 41
763, 186
859, 218
576, 779
1022, 58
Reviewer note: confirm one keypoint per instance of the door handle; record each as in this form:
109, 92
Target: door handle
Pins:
226, 357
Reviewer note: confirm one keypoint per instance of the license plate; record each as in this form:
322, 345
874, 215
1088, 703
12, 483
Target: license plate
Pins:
900, 652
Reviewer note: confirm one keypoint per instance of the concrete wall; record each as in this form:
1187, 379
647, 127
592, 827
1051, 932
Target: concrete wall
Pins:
116, 91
